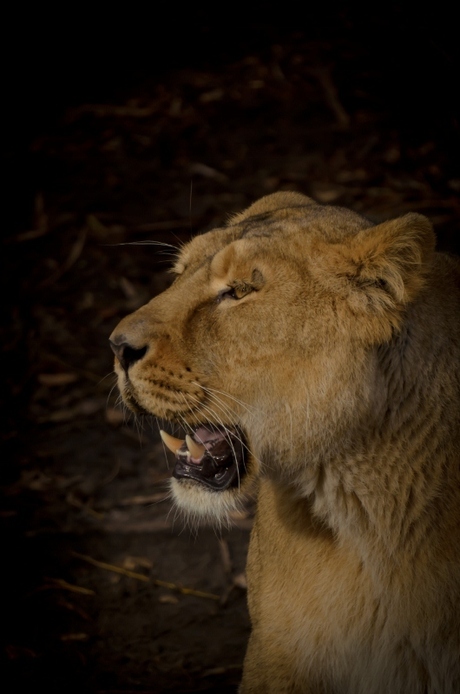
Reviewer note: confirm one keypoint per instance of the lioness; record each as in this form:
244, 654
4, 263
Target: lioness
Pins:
305, 347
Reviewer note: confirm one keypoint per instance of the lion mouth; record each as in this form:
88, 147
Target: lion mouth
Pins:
213, 456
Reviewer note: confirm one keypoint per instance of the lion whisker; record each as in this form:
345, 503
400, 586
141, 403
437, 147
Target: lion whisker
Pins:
148, 242
212, 391
109, 395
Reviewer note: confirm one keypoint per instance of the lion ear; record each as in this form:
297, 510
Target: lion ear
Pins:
392, 256
380, 269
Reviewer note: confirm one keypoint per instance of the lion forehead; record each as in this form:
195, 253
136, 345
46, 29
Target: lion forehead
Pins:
298, 224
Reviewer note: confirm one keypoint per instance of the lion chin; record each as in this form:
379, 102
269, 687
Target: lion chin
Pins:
311, 360
198, 505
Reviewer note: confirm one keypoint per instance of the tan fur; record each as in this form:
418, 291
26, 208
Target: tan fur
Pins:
339, 359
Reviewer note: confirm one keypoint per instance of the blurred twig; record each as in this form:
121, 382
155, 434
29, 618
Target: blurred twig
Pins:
146, 579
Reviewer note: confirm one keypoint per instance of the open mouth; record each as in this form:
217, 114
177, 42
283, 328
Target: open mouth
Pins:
213, 456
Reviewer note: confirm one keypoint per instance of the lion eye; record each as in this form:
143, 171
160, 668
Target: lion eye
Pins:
234, 293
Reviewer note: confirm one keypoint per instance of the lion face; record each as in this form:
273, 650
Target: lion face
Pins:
262, 349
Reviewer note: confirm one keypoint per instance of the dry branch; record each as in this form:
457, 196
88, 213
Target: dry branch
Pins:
146, 579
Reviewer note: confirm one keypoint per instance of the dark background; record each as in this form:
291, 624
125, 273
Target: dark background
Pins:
136, 130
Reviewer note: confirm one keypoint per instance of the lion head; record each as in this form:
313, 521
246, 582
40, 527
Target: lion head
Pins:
263, 350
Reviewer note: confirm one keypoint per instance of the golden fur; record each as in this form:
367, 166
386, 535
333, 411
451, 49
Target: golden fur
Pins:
334, 345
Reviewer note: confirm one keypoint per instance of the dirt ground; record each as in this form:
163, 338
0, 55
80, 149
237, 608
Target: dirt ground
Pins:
104, 588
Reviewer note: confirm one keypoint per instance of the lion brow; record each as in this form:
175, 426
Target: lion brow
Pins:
256, 227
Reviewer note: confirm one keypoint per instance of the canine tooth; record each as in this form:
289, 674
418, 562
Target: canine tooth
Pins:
170, 442
196, 449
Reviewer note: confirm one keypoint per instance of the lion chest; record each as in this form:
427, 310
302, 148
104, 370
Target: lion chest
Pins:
313, 607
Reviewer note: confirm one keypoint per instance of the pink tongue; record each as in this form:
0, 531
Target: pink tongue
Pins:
207, 437
204, 436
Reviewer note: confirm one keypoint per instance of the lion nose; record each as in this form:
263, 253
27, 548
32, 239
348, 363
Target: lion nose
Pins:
126, 354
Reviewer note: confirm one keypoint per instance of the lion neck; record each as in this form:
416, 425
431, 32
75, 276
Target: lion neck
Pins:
360, 476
